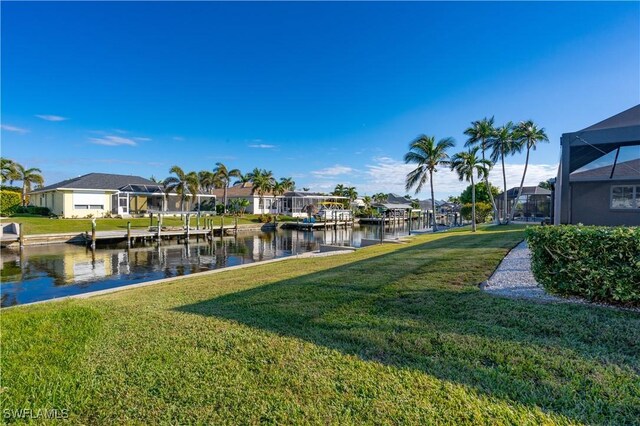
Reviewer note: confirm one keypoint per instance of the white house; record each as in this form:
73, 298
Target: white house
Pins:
104, 194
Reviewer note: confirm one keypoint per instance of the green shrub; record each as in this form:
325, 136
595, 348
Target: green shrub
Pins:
9, 201
483, 212
598, 263
265, 218
34, 210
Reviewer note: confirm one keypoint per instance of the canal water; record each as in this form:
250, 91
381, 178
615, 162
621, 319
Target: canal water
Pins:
38, 273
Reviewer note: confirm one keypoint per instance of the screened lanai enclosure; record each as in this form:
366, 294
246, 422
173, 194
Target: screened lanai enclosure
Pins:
534, 204
140, 199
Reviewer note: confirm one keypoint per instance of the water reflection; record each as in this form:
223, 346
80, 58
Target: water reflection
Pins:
45, 272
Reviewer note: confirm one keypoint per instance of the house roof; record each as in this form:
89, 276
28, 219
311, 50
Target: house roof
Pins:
102, 181
239, 190
394, 206
527, 190
625, 170
630, 117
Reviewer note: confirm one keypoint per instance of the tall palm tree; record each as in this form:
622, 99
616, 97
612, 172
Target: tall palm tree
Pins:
481, 134
501, 145
225, 176
182, 183
428, 155
7, 170
466, 165
288, 184
278, 189
528, 133
28, 177
263, 182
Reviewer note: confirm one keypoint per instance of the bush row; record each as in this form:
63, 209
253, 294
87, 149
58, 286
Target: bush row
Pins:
598, 263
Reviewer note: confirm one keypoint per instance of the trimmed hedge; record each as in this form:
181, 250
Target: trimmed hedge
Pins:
9, 201
597, 263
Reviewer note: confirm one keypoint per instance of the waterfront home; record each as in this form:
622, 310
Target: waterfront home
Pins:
598, 179
105, 194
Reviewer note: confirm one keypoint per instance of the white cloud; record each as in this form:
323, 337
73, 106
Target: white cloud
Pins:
336, 170
143, 139
262, 146
51, 117
113, 141
14, 129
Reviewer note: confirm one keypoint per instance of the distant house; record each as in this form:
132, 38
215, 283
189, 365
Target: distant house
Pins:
291, 203
534, 203
598, 179
257, 205
103, 194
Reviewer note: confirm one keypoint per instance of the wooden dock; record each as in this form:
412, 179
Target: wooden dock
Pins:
153, 234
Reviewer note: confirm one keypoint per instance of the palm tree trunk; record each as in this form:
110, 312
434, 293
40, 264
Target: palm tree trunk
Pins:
473, 205
504, 181
224, 198
24, 194
496, 219
433, 202
526, 164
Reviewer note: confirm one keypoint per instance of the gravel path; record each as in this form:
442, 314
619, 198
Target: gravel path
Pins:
514, 278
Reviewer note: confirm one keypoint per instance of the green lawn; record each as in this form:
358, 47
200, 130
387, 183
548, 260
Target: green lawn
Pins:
43, 225
394, 334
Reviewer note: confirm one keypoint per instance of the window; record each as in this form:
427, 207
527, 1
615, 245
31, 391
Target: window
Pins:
625, 197
96, 207
80, 206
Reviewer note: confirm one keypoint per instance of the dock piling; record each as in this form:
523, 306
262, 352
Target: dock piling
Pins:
128, 234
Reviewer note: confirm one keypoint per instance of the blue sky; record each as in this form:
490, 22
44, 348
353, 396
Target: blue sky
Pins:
324, 92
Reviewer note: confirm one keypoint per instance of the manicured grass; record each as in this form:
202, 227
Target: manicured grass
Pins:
394, 334
43, 225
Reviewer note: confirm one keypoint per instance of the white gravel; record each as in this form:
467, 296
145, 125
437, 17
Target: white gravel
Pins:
514, 278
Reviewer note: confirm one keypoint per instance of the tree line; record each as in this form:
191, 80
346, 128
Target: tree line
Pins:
13, 171
190, 183
486, 145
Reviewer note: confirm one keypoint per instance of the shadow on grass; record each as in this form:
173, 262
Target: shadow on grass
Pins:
419, 307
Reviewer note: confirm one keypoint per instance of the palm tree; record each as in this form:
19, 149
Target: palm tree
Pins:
467, 164
380, 197
481, 134
7, 170
528, 133
501, 145
338, 190
428, 155
208, 181
28, 177
263, 182
242, 179
288, 184
182, 183
225, 176
243, 203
